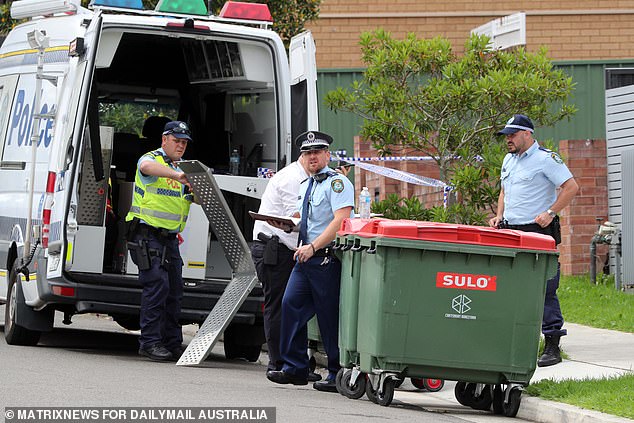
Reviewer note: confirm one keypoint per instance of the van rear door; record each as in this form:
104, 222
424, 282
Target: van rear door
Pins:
303, 66
74, 103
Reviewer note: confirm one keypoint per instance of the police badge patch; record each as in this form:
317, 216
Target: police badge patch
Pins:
556, 158
337, 185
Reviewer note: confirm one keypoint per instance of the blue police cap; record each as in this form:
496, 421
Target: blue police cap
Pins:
517, 123
178, 129
313, 140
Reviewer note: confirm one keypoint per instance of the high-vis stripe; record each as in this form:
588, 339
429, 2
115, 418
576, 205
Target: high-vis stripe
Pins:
159, 214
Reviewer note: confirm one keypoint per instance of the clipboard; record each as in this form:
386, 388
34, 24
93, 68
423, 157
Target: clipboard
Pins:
292, 222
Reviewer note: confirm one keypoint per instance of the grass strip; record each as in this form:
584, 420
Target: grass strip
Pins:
599, 306
609, 395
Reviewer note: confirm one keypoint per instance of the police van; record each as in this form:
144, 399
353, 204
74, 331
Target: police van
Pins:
70, 80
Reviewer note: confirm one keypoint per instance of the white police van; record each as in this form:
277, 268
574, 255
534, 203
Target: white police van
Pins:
67, 165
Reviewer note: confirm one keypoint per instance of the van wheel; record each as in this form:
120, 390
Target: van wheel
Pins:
248, 352
127, 321
243, 341
15, 334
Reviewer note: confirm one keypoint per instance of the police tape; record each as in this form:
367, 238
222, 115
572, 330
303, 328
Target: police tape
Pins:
401, 175
138, 414
397, 174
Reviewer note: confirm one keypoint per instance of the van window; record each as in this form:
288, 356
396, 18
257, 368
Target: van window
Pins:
7, 90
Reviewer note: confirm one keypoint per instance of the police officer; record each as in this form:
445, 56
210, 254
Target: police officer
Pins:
158, 213
326, 199
529, 201
272, 250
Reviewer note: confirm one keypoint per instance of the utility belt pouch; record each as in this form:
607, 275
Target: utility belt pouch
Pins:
131, 228
140, 254
270, 252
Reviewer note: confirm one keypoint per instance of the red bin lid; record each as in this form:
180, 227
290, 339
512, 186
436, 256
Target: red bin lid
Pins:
446, 232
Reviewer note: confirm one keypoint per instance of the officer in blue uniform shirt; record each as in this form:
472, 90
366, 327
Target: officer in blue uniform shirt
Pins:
529, 201
326, 199
159, 211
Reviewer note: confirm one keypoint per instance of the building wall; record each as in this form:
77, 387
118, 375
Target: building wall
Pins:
571, 30
579, 221
586, 160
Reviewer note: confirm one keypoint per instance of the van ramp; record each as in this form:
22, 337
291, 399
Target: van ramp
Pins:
238, 255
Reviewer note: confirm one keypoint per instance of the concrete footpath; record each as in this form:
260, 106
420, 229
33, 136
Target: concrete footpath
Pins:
593, 354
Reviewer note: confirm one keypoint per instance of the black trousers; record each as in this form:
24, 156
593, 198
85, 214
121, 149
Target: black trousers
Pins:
274, 278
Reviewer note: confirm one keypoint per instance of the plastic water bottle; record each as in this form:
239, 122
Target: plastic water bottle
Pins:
364, 203
234, 162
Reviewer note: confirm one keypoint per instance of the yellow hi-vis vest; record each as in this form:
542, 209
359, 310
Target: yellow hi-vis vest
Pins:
162, 203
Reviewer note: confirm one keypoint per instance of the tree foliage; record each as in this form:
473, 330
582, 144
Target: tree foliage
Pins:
417, 94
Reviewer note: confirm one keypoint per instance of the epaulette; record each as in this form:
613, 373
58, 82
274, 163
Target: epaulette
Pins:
323, 176
157, 153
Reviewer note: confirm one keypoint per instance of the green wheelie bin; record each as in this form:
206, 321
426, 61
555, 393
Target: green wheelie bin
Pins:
452, 302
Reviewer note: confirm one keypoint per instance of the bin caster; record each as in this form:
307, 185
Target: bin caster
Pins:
338, 379
475, 395
498, 399
512, 405
379, 396
431, 385
462, 396
507, 401
349, 388
482, 397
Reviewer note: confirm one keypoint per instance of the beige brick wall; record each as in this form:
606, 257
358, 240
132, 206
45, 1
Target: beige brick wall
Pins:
571, 30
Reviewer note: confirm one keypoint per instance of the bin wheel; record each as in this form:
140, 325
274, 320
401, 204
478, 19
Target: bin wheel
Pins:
433, 385
419, 383
484, 400
385, 398
498, 399
513, 406
462, 396
338, 379
355, 391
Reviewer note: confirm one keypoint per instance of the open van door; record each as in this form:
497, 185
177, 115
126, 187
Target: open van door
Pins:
303, 66
81, 127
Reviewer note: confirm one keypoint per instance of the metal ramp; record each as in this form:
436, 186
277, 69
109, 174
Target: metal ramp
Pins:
238, 255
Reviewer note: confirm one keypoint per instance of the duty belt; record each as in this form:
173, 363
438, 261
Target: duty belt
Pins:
529, 227
161, 233
324, 252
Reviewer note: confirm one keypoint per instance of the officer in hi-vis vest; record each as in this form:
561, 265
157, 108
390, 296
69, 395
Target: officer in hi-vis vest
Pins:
159, 210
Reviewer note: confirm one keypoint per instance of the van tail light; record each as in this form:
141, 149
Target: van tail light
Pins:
46, 211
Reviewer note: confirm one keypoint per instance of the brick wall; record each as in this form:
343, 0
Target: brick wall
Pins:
586, 159
571, 30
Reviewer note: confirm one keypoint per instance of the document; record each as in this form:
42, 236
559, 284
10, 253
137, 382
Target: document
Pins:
291, 222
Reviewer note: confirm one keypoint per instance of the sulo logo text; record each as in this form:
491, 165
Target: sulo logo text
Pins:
466, 281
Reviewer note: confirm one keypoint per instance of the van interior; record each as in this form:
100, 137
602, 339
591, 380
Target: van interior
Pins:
223, 88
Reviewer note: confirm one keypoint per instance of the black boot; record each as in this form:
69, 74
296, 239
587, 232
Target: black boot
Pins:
551, 355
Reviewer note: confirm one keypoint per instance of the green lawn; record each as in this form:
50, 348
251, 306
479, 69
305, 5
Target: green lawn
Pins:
598, 306
613, 396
